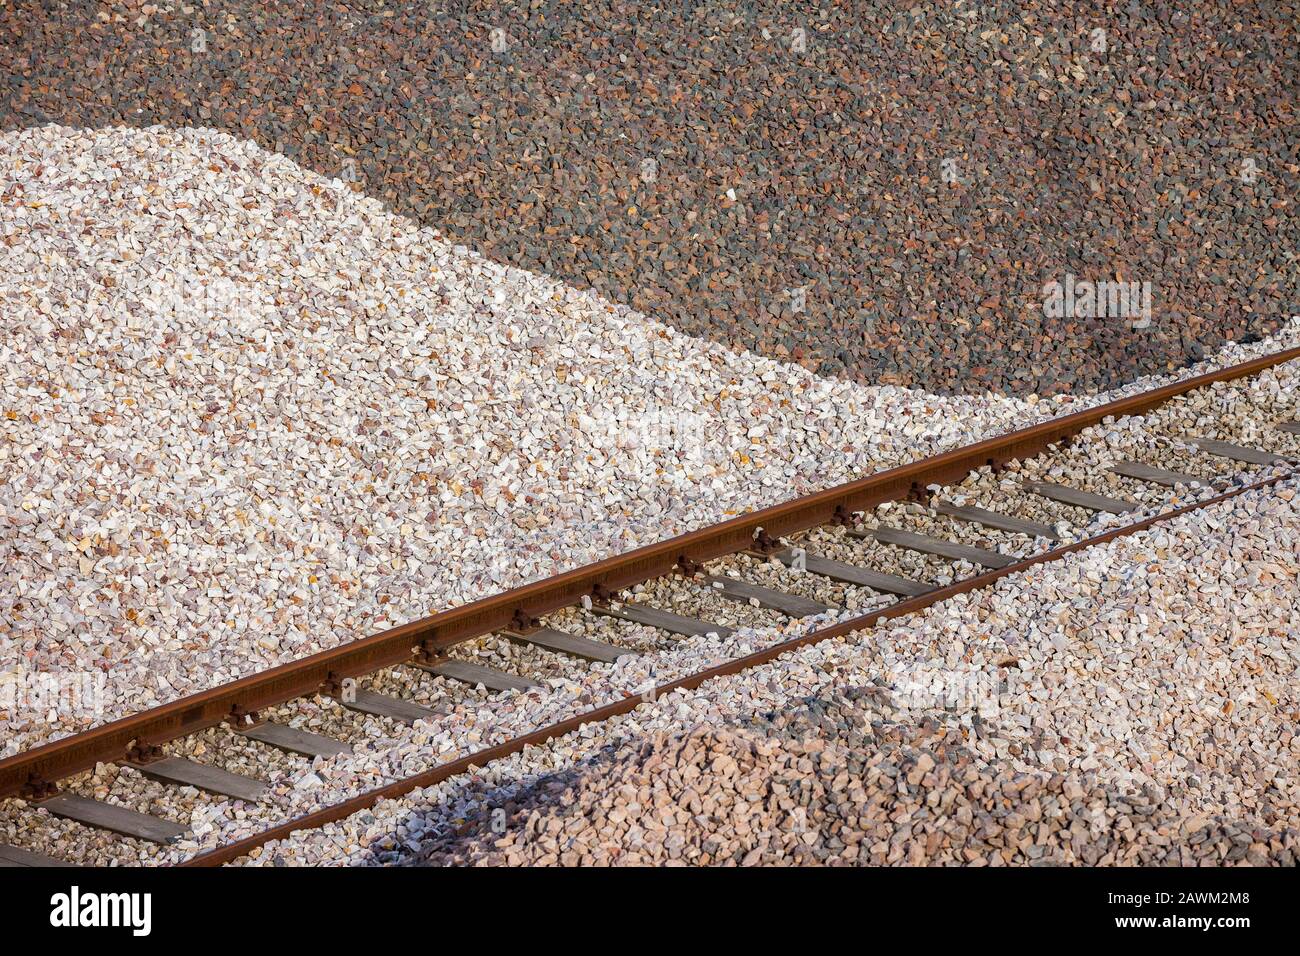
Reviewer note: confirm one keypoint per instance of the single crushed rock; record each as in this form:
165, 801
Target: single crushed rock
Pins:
838, 782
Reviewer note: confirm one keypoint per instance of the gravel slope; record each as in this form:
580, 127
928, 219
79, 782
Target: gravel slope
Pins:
249, 414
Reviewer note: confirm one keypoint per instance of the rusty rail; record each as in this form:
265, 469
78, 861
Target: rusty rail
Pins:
233, 851
35, 771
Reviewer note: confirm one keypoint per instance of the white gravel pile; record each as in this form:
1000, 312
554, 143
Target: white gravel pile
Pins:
1157, 673
247, 414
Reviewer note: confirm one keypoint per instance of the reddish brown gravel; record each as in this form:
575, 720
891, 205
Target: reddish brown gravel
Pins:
871, 792
704, 162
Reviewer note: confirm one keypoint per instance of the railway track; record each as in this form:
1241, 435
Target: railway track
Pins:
813, 568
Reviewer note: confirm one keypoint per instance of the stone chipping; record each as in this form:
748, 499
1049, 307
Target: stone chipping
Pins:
877, 792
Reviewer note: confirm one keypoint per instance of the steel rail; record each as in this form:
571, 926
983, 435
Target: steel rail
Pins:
233, 851
34, 772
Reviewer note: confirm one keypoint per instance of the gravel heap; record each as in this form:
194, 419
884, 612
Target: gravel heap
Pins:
248, 414
919, 171
838, 782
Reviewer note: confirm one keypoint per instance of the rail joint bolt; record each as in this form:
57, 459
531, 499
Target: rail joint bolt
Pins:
242, 719
143, 751
764, 542
429, 653
36, 789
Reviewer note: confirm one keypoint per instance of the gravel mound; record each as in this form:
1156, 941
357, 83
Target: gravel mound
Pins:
879, 191
247, 414
839, 782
